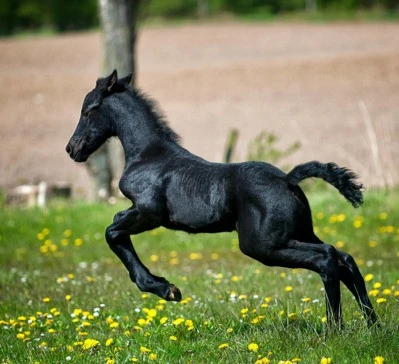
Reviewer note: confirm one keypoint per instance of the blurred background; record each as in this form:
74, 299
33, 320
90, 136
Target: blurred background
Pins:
282, 81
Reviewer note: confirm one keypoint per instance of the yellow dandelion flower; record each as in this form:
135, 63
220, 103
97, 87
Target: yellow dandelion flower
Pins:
178, 321
381, 300
339, 244
368, 277
110, 361
78, 242
372, 244
173, 338
235, 278
195, 256
379, 360
374, 292
387, 292
324, 319
223, 346
288, 288
90, 344
253, 347
152, 356
20, 336
229, 330
113, 325
306, 299
144, 350
325, 360
109, 342
264, 360
151, 313
68, 297
154, 258
46, 299
163, 320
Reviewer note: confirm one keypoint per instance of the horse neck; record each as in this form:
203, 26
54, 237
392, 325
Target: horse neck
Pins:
135, 126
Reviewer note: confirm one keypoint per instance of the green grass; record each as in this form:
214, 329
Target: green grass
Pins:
65, 297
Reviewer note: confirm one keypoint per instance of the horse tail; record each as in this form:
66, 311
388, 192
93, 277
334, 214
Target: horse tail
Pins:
342, 179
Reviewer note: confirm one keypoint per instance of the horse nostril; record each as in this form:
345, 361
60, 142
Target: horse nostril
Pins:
68, 149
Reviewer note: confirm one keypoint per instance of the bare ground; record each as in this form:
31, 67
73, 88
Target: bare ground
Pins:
317, 84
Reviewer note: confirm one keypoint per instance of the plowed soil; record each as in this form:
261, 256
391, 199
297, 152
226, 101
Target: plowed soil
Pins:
334, 88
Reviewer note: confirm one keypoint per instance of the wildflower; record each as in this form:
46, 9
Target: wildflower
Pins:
288, 289
90, 344
163, 320
113, 325
368, 277
173, 338
154, 258
379, 360
377, 285
374, 292
381, 300
325, 360
339, 244
264, 360
178, 321
223, 346
68, 297
78, 242
236, 278
372, 244
229, 330
387, 292
152, 356
195, 256
109, 342
306, 299
46, 299
110, 361
144, 350
151, 313
253, 347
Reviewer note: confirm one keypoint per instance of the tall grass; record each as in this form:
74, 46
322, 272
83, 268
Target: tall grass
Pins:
64, 297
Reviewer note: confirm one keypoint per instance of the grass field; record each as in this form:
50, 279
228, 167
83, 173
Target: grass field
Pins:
64, 297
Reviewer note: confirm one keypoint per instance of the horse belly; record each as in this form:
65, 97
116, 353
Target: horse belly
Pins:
197, 214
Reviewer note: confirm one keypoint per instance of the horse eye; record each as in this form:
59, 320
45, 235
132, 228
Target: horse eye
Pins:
86, 113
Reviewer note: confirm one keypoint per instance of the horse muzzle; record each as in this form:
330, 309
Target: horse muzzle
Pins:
75, 151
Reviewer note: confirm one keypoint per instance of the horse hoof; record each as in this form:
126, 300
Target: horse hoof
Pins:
174, 294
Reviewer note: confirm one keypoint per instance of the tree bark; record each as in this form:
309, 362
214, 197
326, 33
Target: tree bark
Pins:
118, 20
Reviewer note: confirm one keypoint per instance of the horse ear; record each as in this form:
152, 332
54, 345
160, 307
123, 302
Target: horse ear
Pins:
125, 81
112, 80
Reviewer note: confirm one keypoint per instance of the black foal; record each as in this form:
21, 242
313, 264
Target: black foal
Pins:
171, 187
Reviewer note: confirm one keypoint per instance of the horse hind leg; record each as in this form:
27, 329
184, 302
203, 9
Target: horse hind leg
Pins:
352, 278
320, 258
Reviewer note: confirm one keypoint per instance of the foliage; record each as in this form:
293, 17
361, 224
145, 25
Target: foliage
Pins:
60, 15
18, 15
263, 148
65, 297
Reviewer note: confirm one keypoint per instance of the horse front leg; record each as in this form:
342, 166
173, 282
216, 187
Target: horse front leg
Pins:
134, 221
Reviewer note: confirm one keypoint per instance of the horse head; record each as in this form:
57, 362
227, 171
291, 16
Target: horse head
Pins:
95, 124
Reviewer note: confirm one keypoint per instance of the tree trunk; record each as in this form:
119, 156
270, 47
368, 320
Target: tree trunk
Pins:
118, 22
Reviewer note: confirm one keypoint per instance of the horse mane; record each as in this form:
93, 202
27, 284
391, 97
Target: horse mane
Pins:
156, 114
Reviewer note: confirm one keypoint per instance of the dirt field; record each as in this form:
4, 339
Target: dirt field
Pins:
317, 84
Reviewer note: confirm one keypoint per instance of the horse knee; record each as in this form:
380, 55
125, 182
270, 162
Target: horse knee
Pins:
111, 236
329, 267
